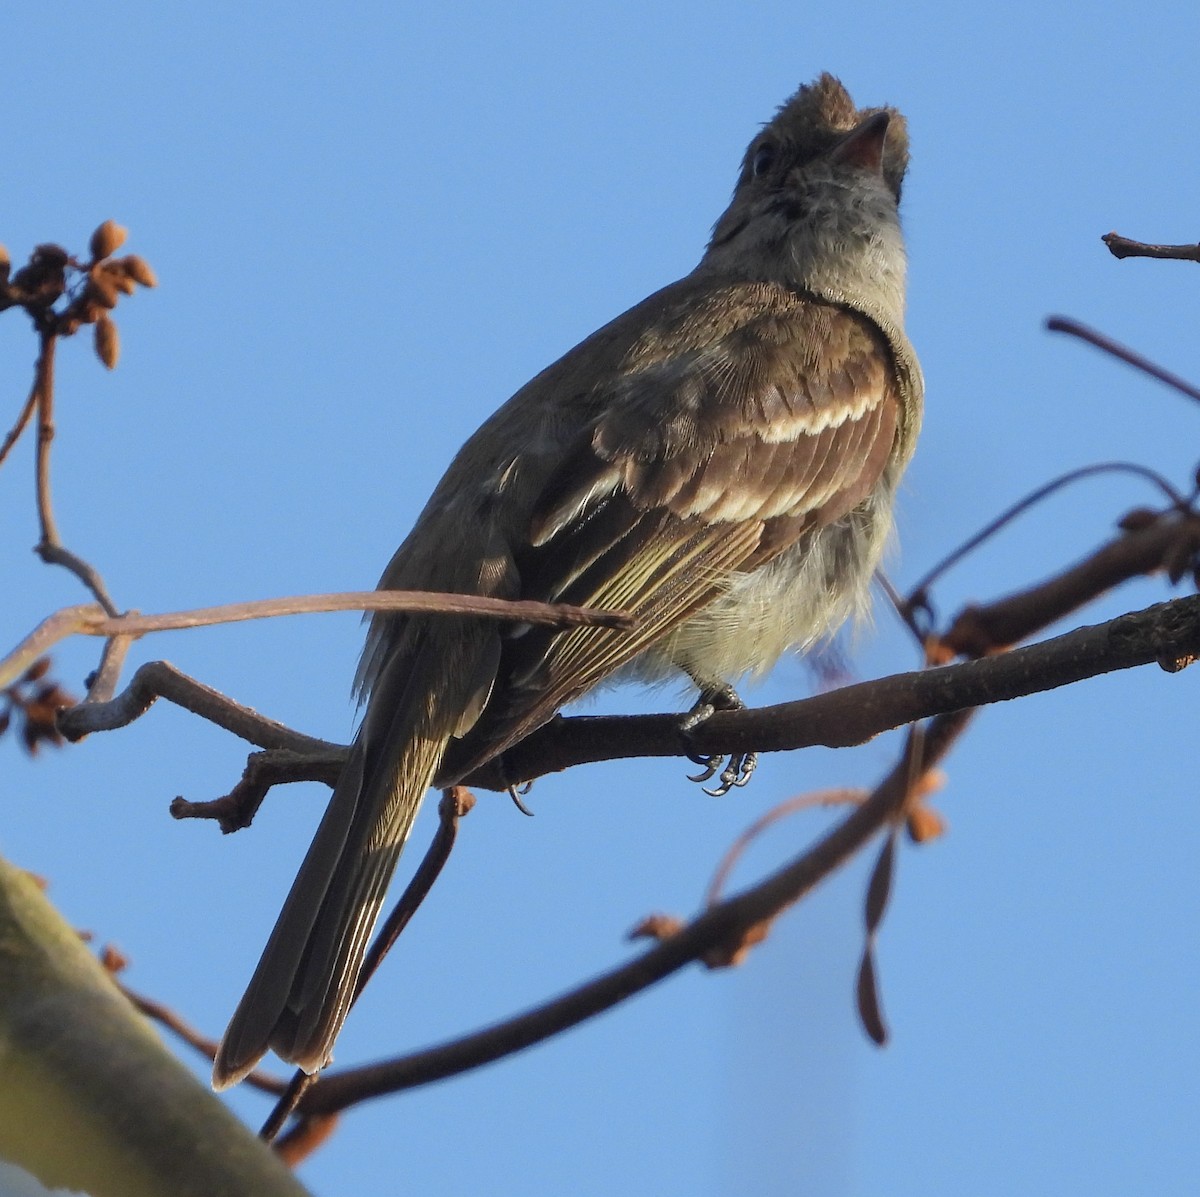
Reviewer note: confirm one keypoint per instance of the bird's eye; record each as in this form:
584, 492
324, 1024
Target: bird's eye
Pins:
763, 160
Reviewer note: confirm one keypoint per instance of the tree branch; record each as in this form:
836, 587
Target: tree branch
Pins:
1124, 247
1166, 632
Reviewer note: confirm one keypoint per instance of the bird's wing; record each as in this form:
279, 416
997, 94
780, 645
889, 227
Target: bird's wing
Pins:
713, 452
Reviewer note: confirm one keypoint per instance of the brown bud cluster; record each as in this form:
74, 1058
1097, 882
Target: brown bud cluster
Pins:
90, 289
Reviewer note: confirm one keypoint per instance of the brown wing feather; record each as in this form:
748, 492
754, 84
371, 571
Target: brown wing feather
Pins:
695, 473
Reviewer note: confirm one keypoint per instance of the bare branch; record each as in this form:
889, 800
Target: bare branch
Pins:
43, 385
921, 588
1123, 247
1065, 324
457, 802
984, 629
839, 797
56, 627
1166, 632
271, 767
50, 547
14, 433
159, 679
556, 615
93, 621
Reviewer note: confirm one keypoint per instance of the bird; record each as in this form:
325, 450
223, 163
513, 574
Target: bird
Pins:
721, 461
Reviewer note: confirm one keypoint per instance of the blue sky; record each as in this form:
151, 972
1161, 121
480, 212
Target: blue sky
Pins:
373, 223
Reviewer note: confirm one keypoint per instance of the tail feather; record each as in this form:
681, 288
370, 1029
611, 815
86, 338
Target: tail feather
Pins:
324, 985
304, 984
433, 676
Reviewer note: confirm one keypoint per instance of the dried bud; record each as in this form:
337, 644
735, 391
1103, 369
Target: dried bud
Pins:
924, 824
113, 959
656, 926
119, 279
1137, 519
1179, 560
733, 951
138, 269
108, 343
37, 670
107, 239
869, 1008
50, 255
101, 289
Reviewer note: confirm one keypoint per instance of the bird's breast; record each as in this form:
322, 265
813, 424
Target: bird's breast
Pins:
791, 602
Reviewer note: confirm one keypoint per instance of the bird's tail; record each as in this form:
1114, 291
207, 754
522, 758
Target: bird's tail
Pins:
301, 991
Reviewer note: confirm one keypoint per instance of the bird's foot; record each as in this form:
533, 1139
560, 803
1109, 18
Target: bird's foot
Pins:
740, 766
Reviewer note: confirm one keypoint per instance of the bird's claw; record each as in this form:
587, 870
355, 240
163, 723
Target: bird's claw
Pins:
710, 765
737, 773
516, 793
739, 767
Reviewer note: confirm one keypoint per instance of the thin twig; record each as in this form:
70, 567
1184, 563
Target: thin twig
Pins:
456, 803
303, 1137
838, 797
50, 547
57, 554
1074, 328
14, 433
1034, 497
555, 615
1167, 544
102, 684
207, 1047
56, 627
43, 385
92, 621
160, 679
264, 770
296, 1088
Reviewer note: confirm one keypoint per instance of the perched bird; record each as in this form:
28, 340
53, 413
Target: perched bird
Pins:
720, 460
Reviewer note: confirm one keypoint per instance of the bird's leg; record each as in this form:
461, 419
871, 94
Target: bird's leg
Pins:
738, 770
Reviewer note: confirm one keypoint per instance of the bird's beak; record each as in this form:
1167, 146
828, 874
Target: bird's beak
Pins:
863, 145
